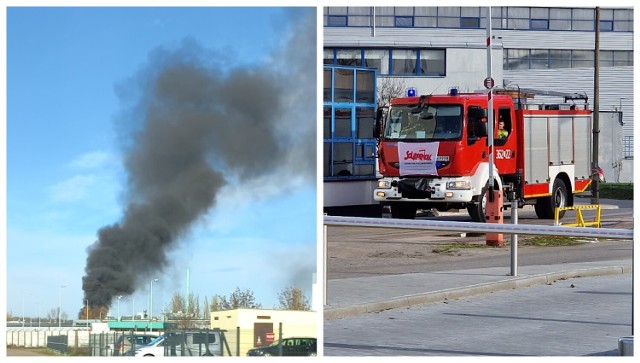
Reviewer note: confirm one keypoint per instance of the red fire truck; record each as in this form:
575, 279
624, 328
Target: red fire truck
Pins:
433, 151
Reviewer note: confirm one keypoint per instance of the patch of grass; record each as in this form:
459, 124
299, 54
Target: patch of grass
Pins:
616, 190
79, 352
551, 241
454, 247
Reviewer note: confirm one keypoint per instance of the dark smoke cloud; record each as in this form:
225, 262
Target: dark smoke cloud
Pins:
199, 123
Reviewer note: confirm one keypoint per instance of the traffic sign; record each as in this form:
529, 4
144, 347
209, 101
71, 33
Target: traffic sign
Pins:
489, 83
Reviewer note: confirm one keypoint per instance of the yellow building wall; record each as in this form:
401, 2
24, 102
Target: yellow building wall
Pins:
294, 323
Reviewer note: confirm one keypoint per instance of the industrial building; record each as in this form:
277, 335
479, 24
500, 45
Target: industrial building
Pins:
430, 50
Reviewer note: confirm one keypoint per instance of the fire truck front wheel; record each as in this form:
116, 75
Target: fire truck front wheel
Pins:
476, 210
403, 211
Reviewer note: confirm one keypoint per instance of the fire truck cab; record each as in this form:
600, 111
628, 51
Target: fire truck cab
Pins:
433, 152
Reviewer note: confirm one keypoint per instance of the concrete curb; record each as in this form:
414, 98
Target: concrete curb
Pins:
462, 292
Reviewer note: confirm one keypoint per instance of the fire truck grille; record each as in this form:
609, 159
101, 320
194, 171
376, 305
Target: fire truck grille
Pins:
414, 188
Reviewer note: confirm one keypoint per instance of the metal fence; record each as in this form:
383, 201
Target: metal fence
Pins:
194, 342
39, 337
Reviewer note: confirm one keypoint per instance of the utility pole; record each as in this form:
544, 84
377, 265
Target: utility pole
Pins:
595, 193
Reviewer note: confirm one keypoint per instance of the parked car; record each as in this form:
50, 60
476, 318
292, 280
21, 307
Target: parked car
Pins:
129, 341
183, 343
154, 348
295, 346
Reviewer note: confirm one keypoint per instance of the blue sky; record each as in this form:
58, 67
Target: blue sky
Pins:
73, 91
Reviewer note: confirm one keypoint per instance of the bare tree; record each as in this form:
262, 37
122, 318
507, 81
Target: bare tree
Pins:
177, 304
389, 88
216, 303
207, 309
292, 298
239, 299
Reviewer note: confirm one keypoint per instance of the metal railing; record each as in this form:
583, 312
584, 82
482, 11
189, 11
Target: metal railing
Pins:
514, 229
480, 227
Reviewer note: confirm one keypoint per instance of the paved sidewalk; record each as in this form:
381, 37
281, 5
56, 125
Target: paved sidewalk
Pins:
360, 295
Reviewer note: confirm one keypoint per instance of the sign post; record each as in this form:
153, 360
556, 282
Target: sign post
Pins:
493, 210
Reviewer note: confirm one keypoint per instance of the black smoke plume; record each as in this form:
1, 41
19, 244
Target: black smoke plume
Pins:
200, 122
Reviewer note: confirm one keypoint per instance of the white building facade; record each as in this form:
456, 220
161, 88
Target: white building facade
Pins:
433, 49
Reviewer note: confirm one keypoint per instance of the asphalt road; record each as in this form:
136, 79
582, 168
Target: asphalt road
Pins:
359, 252
574, 317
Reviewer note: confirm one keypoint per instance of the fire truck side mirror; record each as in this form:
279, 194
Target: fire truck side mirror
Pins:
379, 119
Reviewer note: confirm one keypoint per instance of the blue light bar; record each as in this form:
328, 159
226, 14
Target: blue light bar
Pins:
411, 92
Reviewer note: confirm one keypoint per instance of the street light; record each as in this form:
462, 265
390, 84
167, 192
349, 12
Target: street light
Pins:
87, 313
133, 309
60, 304
38, 305
119, 297
620, 106
151, 306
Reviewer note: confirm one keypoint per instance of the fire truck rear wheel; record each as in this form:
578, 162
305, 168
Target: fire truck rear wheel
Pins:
546, 207
403, 211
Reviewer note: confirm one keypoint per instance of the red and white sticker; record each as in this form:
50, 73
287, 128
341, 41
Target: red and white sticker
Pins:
418, 158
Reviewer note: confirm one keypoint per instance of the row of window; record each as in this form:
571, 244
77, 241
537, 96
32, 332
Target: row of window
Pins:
397, 62
560, 58
514, 18
431, 62
349, 117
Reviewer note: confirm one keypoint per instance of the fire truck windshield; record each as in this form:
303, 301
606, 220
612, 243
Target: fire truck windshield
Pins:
433, 123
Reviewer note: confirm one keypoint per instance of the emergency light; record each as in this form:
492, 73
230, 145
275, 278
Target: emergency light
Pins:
453, 92
411, 92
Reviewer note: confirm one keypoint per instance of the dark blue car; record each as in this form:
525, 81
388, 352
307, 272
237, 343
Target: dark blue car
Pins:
302, 346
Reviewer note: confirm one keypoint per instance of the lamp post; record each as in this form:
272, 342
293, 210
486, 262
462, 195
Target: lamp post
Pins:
87, 313
119, 297
38, 305
620, 105
151, 305
133, 309
60, 304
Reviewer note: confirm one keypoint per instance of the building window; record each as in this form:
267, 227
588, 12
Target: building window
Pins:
378, 59
539, 24
432, 63
515, 59
349, 57
403, 21
473, 23
336, 20
365, 86
622, 58
403, 62
582, 59
343, 83
328, 56
328, 86
559, 58
349, 143
342, 123
539, 59
606, 25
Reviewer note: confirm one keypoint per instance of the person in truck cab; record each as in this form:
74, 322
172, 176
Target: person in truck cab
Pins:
502, 132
